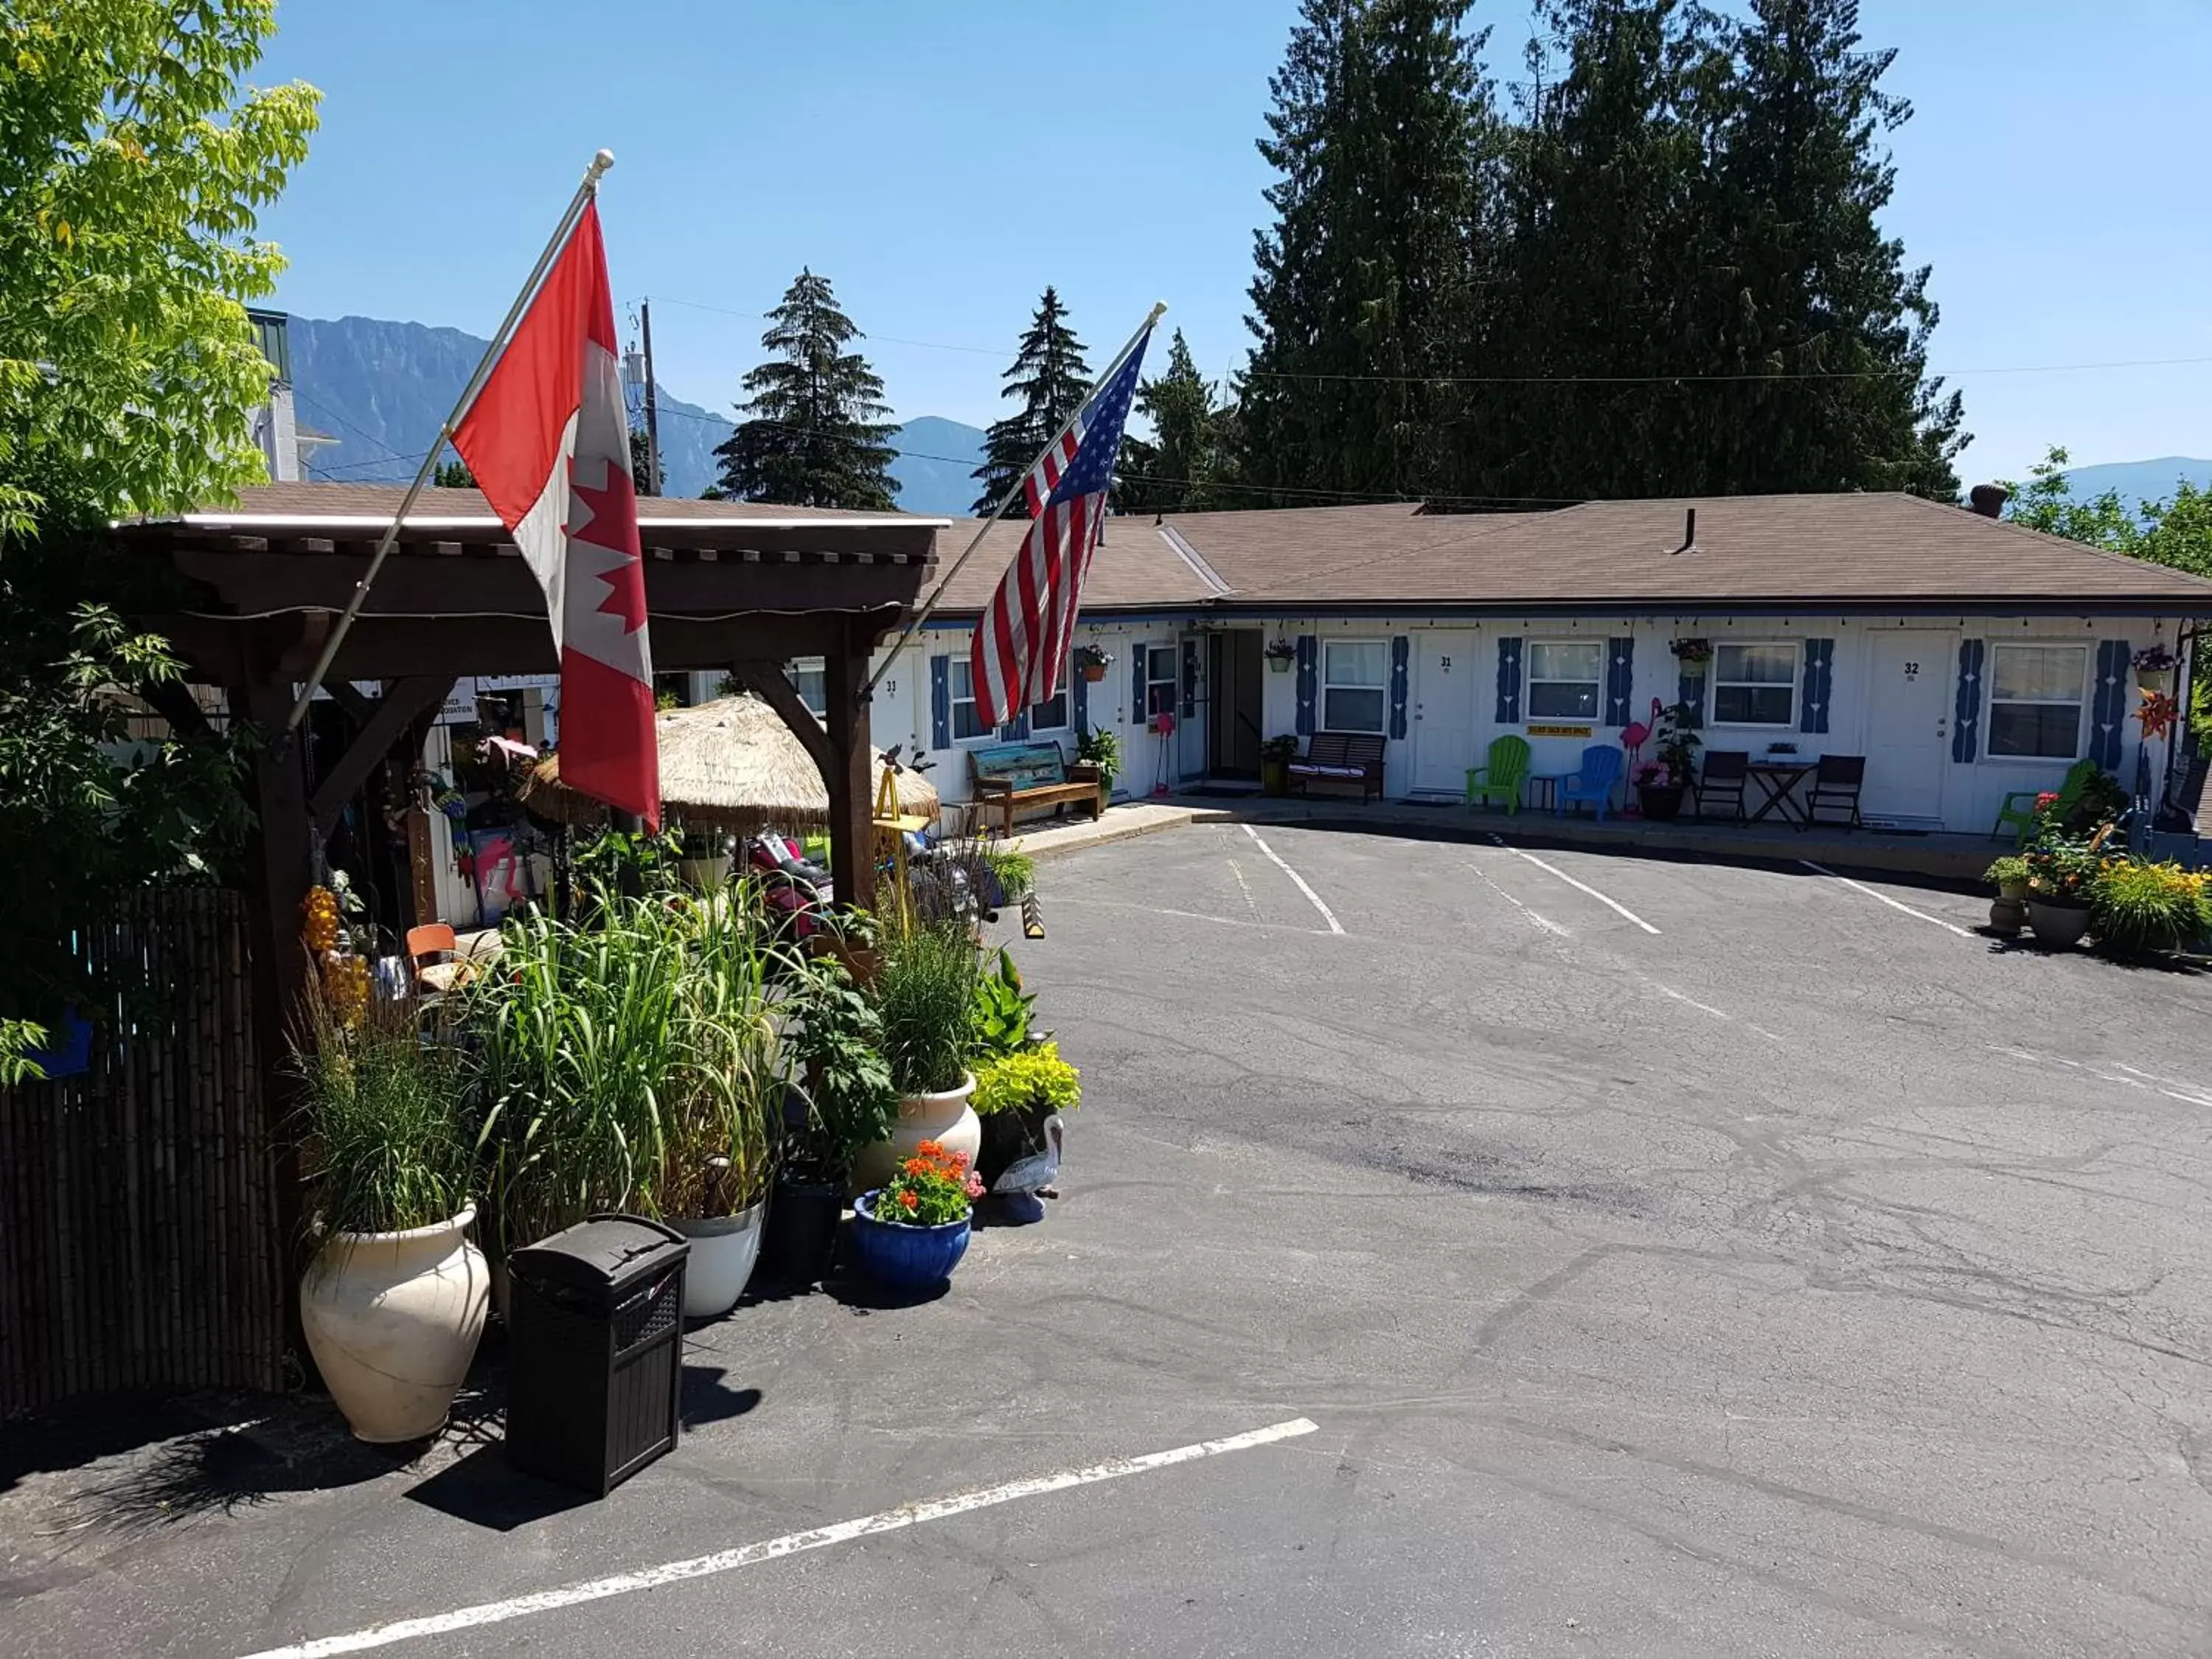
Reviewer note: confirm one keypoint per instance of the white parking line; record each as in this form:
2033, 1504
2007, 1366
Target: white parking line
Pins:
1963, 933
1611, 904
1542, 921
1327, 915
704, 1566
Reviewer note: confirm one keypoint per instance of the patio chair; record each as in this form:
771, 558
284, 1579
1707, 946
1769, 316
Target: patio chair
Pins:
1836, 784
1592, 781
1725, 774
432, 951
2022, 818
1502, 776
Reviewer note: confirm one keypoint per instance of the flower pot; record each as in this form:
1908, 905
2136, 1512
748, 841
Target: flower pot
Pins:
703, 875
1280, 665
946, 1118
911, 1258
392, 1320
69, 1050
800, 1233
1094, 671
1274, 777
723, 1250
1660, 802
2008, 909
2155, 679
2055, 921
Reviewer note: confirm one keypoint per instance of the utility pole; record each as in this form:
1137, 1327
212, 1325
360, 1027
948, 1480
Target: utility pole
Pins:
651, 400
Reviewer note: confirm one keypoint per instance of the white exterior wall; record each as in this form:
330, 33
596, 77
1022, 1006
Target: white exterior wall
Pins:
1451, 713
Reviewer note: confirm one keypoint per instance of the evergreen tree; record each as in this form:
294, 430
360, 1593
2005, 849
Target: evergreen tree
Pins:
641, 458
1379, 134
1051, 379
1175, 472
453, 475
810, 432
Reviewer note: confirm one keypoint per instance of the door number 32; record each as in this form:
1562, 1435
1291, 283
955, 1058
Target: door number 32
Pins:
1913, 671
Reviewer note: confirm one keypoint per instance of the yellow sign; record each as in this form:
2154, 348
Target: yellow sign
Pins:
1558, 731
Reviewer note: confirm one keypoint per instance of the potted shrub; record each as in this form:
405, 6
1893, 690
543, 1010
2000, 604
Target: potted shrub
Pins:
911, 1231
842, 1100
1281, 654
1101, 750
924, 991
2008, 909
1020, 1097
1664, 781
2059, 870
394, 1301
1276, 754
1093, 661
2138, 909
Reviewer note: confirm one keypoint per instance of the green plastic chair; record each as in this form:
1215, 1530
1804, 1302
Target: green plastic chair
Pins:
1501, 778
2022, 818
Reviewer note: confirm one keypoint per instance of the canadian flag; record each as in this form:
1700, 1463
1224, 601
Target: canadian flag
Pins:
549, 443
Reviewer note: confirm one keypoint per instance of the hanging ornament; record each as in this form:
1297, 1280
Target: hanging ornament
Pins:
2158, 712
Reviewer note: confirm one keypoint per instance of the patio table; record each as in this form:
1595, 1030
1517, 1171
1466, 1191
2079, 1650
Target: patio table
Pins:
1777, 780
1544, 790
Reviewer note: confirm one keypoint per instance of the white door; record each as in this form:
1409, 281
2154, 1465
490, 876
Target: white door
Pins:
1193, 704
1908, 727
1444, 712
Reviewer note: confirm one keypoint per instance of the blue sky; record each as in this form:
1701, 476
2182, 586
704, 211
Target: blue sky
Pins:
2053, 175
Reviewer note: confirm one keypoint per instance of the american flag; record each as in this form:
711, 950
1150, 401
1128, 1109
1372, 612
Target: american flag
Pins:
1020, 646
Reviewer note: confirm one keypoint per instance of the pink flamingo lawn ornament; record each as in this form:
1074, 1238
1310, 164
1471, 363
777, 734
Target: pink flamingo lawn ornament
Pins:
1633, 737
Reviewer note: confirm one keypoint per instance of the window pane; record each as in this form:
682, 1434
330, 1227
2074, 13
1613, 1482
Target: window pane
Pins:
1565, 661
1352, 710
1356, 662
2052, 730
1160, 663
1760, 665
966, 723
964, 680
1558, 699
1050, 715
809, 676
2038, 673
1751, 705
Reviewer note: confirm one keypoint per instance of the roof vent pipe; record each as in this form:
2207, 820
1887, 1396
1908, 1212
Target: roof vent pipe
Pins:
1689, 531
1988, 500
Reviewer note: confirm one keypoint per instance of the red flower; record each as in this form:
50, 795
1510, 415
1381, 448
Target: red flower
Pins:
2046, 800
908, 1200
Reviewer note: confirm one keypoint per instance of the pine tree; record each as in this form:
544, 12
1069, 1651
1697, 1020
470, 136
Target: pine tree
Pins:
1051, 379
1176, 471
1381, 127
453, 475
1823, 293
642, 459
810, 432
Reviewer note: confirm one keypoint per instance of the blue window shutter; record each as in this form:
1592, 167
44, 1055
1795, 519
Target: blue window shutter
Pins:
1187, 708
1402, 649
1620, 679
940, 703
1819, 676
1509, 679
1078, 692
1966, 707
1016, 728
2108, 706
1138, 653
1308, 682
1690, 694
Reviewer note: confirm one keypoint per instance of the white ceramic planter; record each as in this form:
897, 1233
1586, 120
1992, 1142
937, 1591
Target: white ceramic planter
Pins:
703, 875
946, 1118
392, 1320
723, 1250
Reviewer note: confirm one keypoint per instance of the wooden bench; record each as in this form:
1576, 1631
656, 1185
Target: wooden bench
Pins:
1012, 777
1341, 760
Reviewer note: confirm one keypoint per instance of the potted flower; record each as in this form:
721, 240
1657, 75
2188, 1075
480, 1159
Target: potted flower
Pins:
2060, 868
1276, 754
394, 1301
1662, 781
924, 991
2153, 666
1692, 650
2138, 909
1101, 750
911, 1231
1093, 661
2008, 909
1281, 654
1020, 1097
842, 1100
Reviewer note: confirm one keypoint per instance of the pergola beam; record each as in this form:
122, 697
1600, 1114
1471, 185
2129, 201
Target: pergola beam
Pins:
402, 702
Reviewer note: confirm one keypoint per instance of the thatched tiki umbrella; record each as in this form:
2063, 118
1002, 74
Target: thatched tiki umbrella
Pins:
729, 764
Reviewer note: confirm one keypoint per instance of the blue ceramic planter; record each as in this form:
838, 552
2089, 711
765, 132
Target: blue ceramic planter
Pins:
910, 1257
71, 1053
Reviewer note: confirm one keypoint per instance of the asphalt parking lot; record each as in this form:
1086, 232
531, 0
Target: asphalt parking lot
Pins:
1520, 1251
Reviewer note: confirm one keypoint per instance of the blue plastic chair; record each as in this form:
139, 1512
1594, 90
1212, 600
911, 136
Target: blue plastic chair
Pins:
1592, 781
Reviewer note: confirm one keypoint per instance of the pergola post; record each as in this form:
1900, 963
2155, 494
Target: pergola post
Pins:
849, 773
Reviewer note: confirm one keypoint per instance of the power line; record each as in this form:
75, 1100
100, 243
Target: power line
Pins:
894, 339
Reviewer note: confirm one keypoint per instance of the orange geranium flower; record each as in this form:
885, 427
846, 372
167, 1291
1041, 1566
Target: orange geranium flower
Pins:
931, 1149
908, 1200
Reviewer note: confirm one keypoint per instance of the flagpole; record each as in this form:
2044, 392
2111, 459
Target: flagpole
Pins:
584, 192
929, 610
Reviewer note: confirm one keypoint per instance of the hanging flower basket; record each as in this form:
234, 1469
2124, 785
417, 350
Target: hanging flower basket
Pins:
1093, 662
1281, 654
1692, 650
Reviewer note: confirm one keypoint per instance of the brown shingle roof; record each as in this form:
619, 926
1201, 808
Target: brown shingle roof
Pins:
1136, 567
307, 500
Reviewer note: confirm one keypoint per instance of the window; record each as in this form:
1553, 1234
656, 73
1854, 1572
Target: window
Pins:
2035, 700
1564, 679
966, 722
1755, 686
1352, 675
809, 676
1159, 680
1051, 714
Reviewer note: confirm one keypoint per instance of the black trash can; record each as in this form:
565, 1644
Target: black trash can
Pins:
595, 1351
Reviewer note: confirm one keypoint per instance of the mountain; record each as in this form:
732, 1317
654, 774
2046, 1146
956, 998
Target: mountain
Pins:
380, 388
2140, 480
